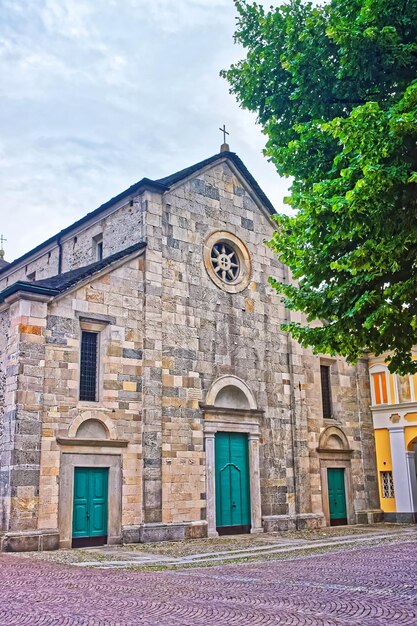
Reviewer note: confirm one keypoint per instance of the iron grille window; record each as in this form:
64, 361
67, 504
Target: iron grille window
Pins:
326, 391
387, 483
88, 366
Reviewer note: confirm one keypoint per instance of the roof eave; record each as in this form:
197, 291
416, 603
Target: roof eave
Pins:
26, 288
143, 185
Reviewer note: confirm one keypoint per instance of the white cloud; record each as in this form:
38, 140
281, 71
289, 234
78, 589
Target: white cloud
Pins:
98, 93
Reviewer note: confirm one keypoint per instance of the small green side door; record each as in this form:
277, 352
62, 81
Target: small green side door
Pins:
232, 483
89, 520
337, 496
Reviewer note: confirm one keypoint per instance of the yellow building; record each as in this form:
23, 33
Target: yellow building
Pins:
394, 413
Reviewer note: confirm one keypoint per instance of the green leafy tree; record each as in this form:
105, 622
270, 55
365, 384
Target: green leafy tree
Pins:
335, 90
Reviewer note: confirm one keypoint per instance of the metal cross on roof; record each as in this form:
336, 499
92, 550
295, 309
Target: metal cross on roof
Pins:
224, 131
2, 240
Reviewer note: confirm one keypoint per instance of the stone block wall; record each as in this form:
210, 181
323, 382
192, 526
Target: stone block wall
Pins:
5, 438
4, 335
121, 227
44, 266
350, 396
116, 299
22, 415
168, 332
208, 333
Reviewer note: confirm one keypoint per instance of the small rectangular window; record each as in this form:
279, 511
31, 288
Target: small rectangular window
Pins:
88, 366
326, 391
98, 247
387, 485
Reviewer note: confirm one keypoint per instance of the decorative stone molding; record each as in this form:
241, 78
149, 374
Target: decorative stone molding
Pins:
332, 460
395, 418
334, 452
229, 381
110, 460
105, 421
333, 440
242, 274
216, 419
238, 420
102, 443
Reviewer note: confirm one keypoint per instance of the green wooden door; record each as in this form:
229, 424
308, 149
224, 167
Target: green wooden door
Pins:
89, 519
232, 483
337, 496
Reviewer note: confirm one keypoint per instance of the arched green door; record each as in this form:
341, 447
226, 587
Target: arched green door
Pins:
232, 483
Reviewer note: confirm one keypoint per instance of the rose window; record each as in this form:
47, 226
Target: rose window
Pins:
225, 262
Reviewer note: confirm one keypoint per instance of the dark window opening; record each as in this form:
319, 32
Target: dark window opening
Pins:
88, 366
98, 247
99, 250
326, 391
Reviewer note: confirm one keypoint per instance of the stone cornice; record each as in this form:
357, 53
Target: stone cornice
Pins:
100, 443
407, 407
219, 410
33, 295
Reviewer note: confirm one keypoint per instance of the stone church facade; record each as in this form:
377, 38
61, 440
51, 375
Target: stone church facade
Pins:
147, 391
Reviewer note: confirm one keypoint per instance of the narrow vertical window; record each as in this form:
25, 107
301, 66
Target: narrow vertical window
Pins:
98, 247
326, 391
88, 366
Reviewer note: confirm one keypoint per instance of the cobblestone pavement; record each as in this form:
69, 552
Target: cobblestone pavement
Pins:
263, 546
369, 586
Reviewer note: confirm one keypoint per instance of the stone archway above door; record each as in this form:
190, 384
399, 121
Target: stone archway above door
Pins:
333, 439
231, 407
335, 456
90, 429
231, 392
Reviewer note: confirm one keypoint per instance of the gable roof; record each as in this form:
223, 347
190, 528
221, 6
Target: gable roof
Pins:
146, 184
55, 285
168, 181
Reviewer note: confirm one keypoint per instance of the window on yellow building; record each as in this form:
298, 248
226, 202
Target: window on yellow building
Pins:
380, 387
387, 485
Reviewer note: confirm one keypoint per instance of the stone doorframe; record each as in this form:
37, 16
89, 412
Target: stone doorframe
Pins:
233, 421
70, 460
334, 452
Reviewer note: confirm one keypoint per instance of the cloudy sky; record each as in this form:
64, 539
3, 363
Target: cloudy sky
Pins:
97, 94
